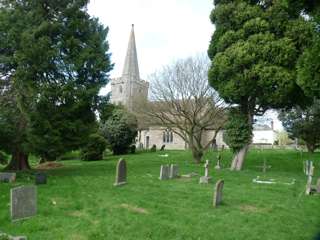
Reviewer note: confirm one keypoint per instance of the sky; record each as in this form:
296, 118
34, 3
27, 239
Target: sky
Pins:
165, 30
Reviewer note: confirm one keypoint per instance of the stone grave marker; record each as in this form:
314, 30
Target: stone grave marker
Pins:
40, 178
174, 171
307, 167
217, 195
23, 202
264, 166
121, 173
164, 172
206, 178
218, 166
7, 177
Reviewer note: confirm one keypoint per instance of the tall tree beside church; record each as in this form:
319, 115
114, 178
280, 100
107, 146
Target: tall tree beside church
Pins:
54, 60
254, 51
182, 101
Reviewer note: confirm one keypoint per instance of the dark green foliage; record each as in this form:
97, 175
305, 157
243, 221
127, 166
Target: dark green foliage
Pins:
303, 124
120, 131
254, 52
94, 149
3, 158
133, 149
105, 108
238, 132
54, 58
153, 148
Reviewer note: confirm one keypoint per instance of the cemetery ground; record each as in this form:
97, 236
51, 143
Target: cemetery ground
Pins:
80, 202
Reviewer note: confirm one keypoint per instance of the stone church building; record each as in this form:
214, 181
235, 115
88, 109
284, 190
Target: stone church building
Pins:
125, 90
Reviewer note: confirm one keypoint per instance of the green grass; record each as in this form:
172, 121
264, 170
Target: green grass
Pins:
80, 201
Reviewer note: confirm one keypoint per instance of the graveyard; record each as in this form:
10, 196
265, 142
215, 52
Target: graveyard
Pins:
80, 200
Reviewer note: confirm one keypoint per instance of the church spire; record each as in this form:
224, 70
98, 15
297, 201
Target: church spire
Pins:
131, 67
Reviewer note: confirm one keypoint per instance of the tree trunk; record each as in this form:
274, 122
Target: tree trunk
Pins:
238, 158
197, 155
310, 147
19, 162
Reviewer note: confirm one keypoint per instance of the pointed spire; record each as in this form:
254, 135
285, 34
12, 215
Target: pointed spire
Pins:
131, 67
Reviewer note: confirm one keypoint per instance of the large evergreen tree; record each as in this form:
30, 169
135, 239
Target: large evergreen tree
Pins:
254, 51
54, 60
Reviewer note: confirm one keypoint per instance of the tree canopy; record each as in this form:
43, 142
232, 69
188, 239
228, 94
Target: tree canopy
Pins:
254, 51
54, 59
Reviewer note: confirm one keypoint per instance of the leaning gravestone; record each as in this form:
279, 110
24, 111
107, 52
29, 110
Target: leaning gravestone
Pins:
7, 177
174, 171
23, 202
217, 195
164, 172
121, 174
40, 178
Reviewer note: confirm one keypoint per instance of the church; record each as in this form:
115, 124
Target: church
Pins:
125, 90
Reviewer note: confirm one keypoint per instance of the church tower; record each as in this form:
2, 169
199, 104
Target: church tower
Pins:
126, 89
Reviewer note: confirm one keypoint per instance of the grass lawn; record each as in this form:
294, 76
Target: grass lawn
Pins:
80, 201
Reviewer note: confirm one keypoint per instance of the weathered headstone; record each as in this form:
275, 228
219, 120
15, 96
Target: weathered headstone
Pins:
206, 178
174, 171
7, 177
40, 178
23, 202
164, 172
217, 195
162, 147
121, 174
308, 167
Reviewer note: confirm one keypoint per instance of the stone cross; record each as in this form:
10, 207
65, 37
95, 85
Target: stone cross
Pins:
217, 195
206, 178
7, 177
264, 166
164, 172
23, 202
218, 166
121, 173
174, 171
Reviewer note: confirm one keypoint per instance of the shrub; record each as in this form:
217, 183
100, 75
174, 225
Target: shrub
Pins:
120, 131
94, 148
153, 148
3, 158
133, 149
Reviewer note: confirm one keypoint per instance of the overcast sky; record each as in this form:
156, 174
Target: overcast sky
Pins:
165, 30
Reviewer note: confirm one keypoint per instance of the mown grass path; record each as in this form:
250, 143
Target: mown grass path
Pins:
80, 201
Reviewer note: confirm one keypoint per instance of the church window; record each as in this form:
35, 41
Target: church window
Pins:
167, 136
120, 89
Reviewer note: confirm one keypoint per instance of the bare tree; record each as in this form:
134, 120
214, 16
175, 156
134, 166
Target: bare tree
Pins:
183, 102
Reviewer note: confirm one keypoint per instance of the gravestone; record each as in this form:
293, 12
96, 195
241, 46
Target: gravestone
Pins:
206, 178
164, 172
162, 147
7, 177
217, 195
23, 202
264, 166
40, 178
121, 174
174, 171
308, 169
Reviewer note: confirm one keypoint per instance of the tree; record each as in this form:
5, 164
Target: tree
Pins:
254, 51
183, 102
54, 60
303, 124
94, 148
120, 130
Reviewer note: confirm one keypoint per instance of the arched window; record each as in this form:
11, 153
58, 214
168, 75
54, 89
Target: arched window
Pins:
167, 136
120, 89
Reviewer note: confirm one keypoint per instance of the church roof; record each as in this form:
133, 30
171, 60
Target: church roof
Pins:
131, 68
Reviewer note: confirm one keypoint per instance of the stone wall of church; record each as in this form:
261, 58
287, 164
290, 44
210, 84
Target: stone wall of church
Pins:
157, 136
